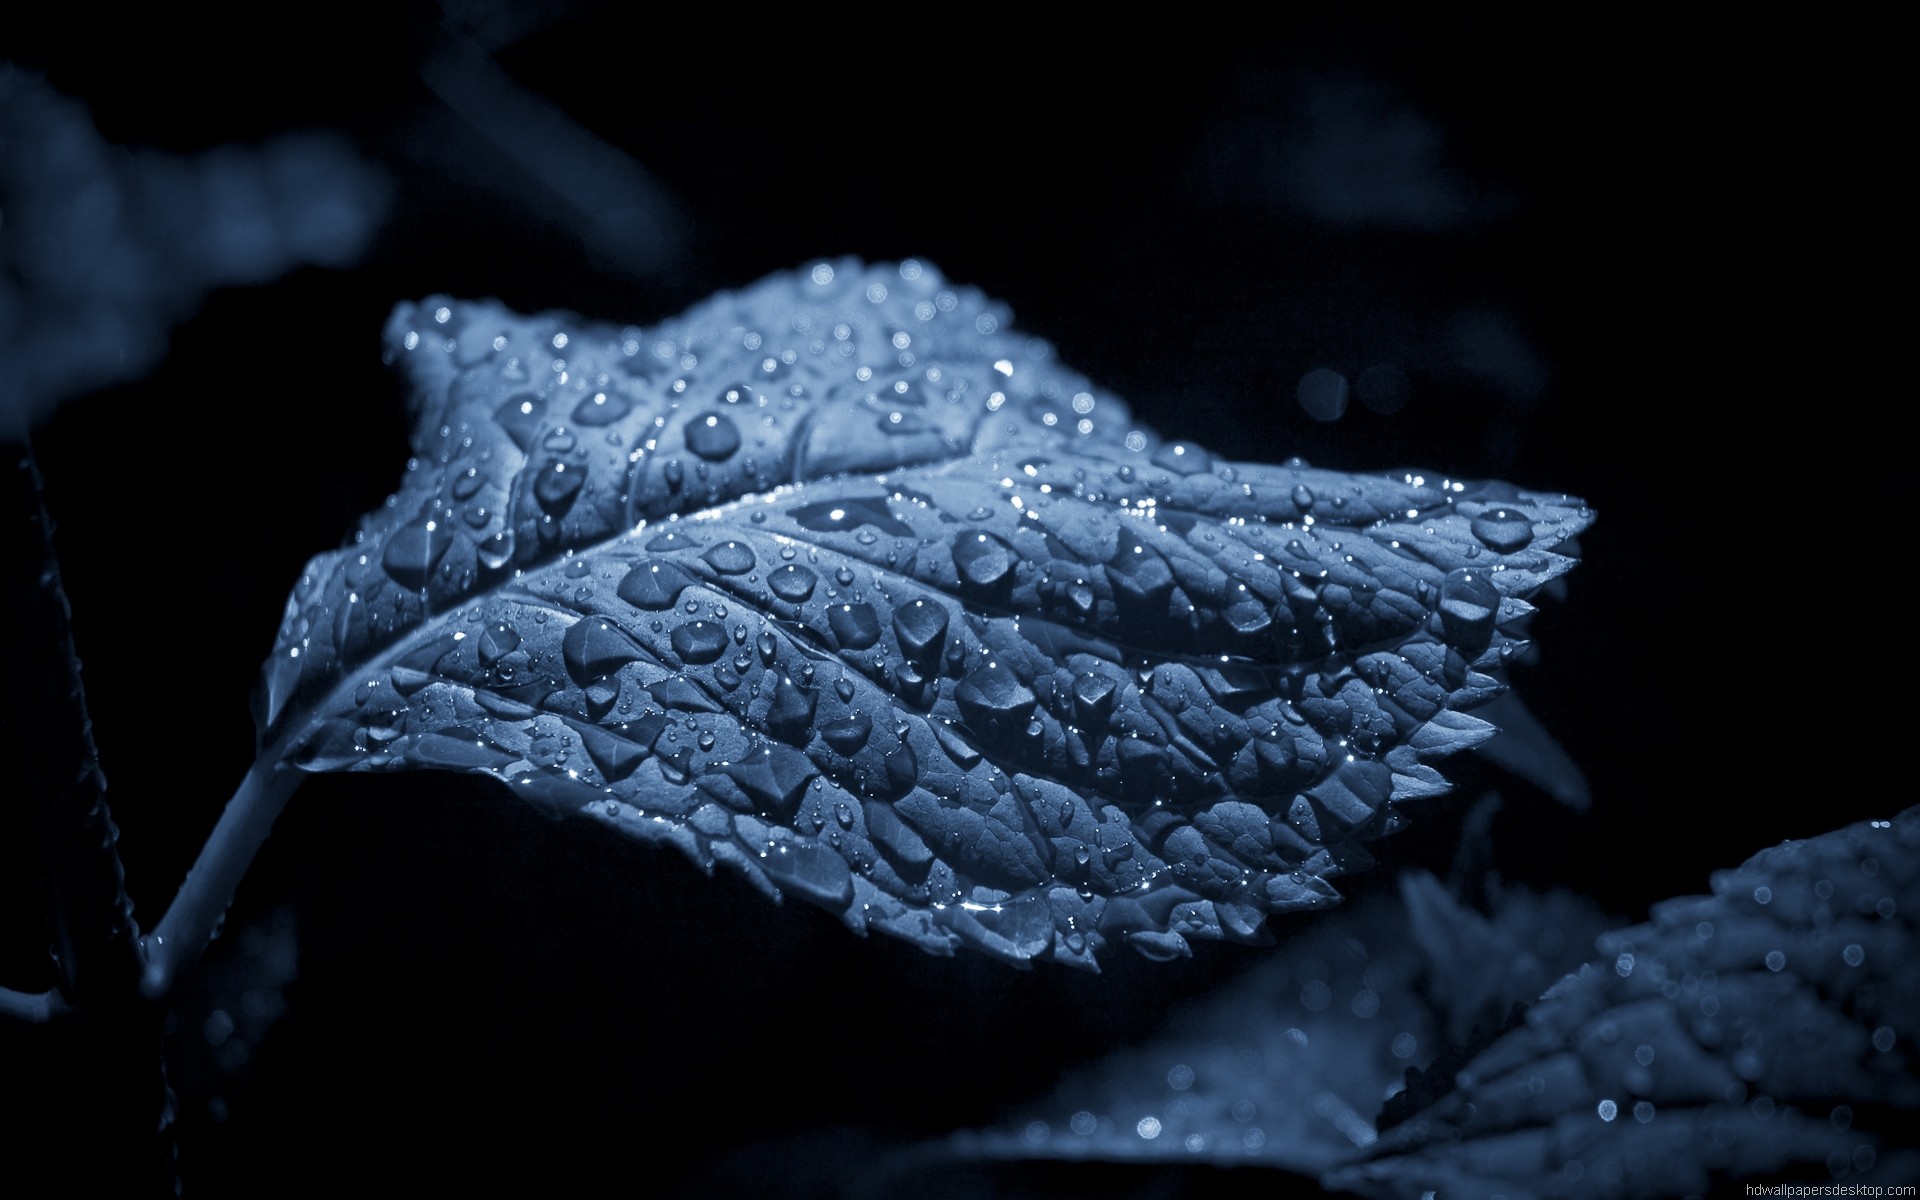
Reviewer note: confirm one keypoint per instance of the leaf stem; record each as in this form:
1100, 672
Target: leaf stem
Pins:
193, 920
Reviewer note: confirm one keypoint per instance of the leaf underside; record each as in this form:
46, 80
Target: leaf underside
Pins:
840, 583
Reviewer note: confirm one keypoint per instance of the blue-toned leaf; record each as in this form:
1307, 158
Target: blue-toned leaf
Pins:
1287, 1068
841, 583
1764, 1032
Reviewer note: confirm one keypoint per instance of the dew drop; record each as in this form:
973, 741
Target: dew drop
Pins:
1502, 530
792, 582
699, 642
730, 558
713, 437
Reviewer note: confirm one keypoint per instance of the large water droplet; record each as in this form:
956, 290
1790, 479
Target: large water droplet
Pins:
790, 716
984, 561
698, 642
792, 582
1468, 604
847, 734
1093, 697
414, 551
730, 558
1503, 530
921, 626
713, 436
1182, 458
835, 516
601, 408
855, 626
497, 551
498, 641
654, 584
994, 693
594, 647
520, 417
557, 486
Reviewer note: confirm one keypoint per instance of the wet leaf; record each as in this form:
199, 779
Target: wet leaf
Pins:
839, 582
1764, 1032
1288, 1066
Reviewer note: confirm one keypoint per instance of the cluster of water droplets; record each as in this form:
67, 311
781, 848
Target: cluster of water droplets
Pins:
1063, 686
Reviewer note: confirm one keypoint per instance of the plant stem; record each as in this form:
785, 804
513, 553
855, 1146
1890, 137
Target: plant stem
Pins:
194, 918
94, 932
113, 1097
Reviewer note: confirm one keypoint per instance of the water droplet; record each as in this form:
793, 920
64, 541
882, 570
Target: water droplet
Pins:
498, 641
1182, 458
713, 437
921, 627
497, 551
466, 483
594, 647
984, 561
557, 486
414, 551
843, 688
654, 584
768, 647
790, 715
847, 734
854, 626
792, 582
836, 516
520, 417
730, 558
1302, 497
1468, 605
994, 693
601, 408
699, 642
1503, 530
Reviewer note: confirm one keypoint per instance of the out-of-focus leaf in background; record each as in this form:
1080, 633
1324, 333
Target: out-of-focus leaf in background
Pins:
103, 250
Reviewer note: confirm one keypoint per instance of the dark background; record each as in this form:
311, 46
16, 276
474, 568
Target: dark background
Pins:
1616, 263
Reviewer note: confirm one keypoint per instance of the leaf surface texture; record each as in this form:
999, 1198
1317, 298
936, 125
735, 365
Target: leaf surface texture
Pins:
839, 582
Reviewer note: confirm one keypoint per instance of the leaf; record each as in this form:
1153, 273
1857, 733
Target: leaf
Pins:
1287, 1067
1045, 683
1766, 1029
